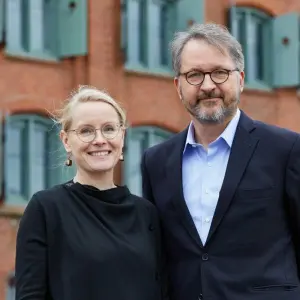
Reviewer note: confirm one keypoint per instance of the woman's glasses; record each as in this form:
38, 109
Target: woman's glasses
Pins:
88, 133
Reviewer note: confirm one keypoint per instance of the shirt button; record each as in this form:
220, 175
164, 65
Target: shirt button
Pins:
205, 256
206, 191
207, 220
209, 164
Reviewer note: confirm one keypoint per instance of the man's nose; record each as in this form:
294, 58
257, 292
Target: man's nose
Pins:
207, 84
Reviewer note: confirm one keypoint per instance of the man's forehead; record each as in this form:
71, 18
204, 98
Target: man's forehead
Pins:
195, 46
199, 53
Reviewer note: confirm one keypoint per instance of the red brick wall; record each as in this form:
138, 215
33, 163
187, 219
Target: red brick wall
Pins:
35, 86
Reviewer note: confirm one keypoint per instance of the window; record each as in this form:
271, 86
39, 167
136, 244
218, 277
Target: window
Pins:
31, 157
137, 141
46, 29
147, 28
253, 30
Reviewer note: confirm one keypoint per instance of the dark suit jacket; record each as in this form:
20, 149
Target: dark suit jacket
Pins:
253, 247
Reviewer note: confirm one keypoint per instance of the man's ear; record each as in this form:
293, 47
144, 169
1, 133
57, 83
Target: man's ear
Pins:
177, 86
242, 80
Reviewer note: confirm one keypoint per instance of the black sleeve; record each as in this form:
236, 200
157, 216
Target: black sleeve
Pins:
162, 259
146, 186
293, 194
31, 254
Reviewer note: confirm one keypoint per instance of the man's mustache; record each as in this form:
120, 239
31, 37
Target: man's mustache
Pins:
208, 96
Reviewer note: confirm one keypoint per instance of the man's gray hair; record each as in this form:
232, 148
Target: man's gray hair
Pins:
215, 35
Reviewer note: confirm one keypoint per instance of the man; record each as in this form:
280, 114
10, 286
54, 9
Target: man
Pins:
227, 188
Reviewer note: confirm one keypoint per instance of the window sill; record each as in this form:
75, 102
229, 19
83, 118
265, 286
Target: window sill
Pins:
11, 211
258, 86
36, 56
142, 70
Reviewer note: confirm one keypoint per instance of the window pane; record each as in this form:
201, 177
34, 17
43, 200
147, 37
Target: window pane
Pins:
158, 137
15, 144
167, 28
13, 24
143, 20
251, 50
138, 140
134, 31
39, 158
259, 53
256, 48
241, 30
25, 25
36, 25
50, 26
136, 147
154, 34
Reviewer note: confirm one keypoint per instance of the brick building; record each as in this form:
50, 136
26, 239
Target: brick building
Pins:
47, 49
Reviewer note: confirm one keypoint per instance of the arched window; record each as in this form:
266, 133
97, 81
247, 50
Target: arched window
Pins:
32, 157
138, 139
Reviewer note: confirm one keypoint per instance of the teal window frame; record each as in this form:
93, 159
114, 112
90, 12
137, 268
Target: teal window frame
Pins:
23, 148
249, 19
138, 139
151, 35
145, 37
61, 30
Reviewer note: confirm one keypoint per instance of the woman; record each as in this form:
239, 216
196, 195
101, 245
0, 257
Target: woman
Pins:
89, 239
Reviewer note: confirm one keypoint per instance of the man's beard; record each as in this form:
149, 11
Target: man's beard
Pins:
218, 116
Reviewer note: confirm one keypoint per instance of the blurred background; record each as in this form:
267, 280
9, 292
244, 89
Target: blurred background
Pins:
49, 47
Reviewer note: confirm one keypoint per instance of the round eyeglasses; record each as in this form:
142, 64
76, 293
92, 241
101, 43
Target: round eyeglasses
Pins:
88, 133
196, 77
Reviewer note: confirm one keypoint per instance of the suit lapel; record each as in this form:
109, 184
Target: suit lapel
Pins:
242, 149
174, 183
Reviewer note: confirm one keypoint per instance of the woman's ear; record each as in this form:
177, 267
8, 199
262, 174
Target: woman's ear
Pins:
65, 140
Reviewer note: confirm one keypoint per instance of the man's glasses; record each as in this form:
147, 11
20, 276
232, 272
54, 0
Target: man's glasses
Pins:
88, 133
196, 77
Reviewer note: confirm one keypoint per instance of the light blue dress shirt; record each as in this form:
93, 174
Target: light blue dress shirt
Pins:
203, 172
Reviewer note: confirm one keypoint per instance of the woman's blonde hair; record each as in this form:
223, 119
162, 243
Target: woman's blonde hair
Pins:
86, 93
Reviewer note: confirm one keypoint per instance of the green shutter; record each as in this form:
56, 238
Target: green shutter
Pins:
2, 21
72, 29
286, 56
190, 11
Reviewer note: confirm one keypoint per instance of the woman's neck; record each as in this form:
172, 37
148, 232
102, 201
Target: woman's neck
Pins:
103, 181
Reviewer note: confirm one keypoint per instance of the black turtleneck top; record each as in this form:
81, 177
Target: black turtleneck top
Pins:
76, 242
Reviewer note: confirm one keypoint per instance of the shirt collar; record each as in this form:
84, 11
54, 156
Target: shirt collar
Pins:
227, 135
